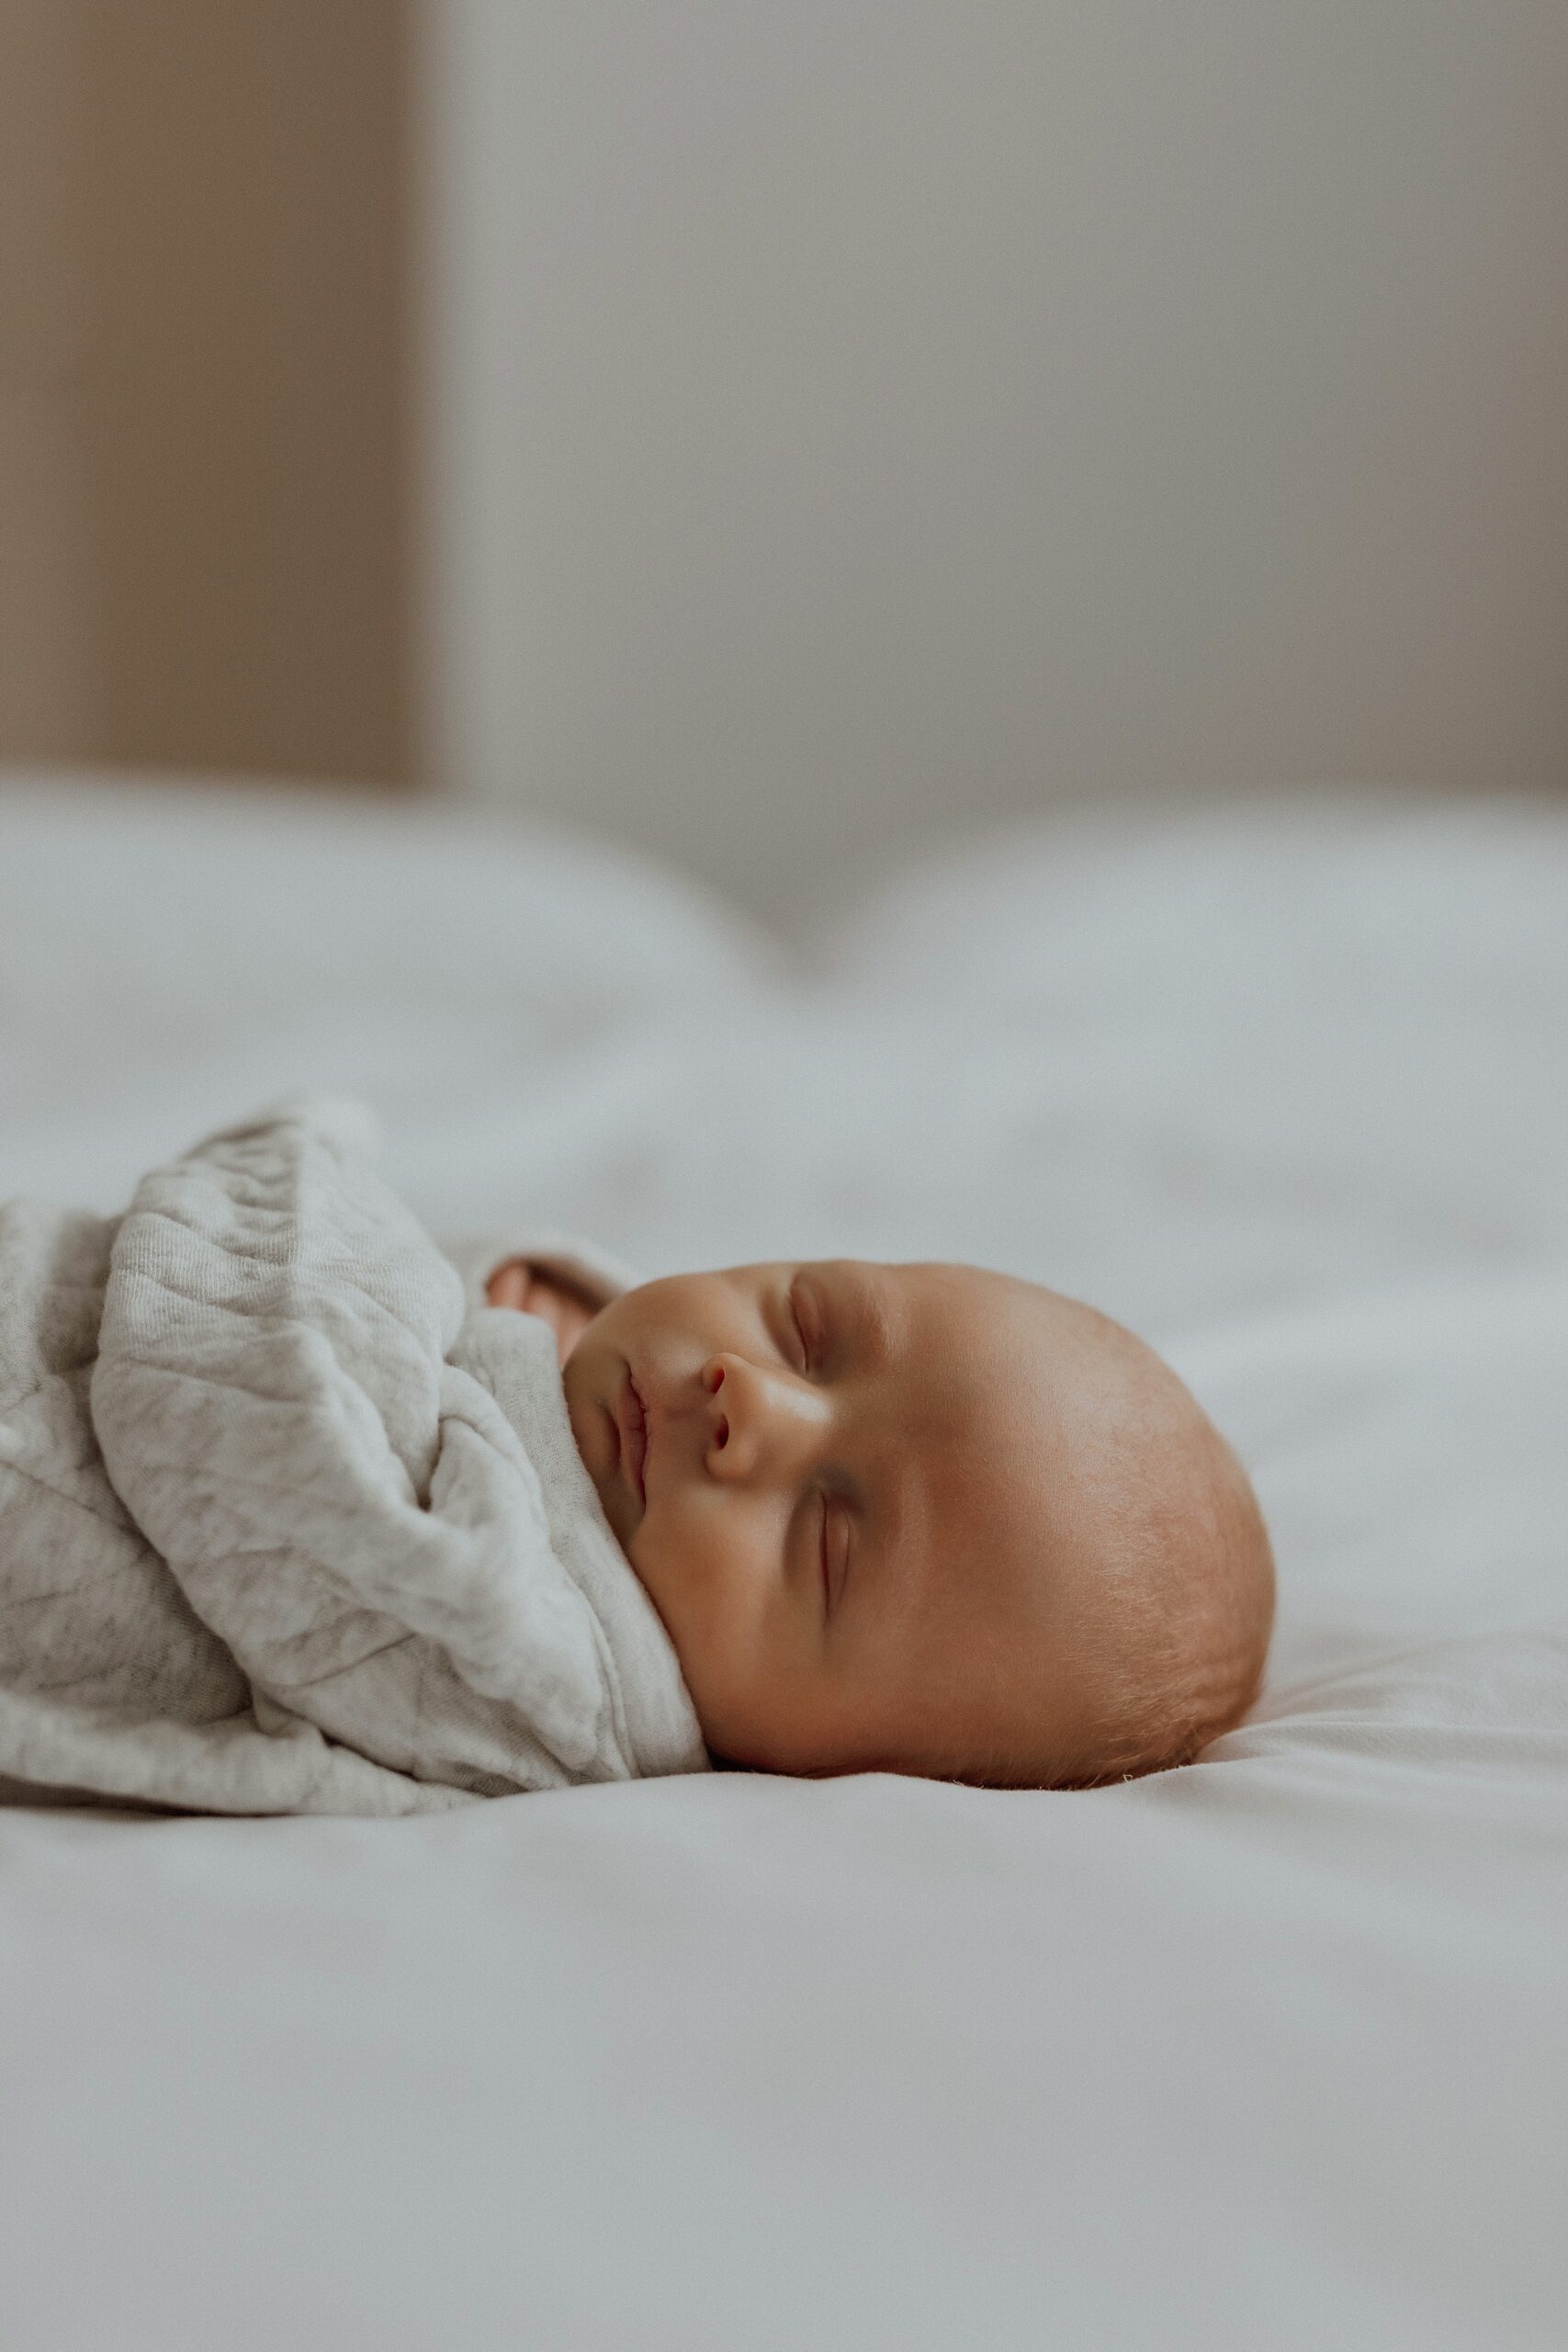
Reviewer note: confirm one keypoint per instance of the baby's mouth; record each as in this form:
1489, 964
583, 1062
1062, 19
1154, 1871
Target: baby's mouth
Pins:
631, 1419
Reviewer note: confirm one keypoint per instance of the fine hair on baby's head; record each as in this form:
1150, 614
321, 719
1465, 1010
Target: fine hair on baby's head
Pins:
923, 1519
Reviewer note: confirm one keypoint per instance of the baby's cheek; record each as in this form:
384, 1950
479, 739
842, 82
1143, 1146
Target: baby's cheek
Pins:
683, 1572
693, 1588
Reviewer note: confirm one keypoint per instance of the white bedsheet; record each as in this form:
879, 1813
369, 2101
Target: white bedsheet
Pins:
1269, 2052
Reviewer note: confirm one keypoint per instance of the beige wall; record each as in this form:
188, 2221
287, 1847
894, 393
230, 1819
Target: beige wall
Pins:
203, 384
856, 417
50, 689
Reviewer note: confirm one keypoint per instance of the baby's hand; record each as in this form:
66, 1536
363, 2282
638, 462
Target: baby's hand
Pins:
568, 1314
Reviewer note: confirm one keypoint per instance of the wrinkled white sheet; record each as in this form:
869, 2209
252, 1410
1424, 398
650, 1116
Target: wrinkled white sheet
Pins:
1269, 2052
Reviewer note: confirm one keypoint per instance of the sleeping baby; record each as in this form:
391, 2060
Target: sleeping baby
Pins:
298, 1515
918, 1519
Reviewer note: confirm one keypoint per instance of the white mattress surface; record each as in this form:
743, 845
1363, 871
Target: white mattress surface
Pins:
1272, 2052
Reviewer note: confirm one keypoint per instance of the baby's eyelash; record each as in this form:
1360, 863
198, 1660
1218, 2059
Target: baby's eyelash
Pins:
836, 1559
824, 1528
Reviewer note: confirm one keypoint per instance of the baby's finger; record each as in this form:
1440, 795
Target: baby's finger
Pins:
509, 1284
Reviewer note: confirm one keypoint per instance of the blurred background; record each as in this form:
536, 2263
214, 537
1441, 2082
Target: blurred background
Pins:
780, 435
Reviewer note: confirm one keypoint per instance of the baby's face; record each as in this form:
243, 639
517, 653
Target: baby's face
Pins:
881, 1511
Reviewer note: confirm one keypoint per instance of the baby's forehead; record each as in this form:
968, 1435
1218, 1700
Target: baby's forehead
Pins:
926, 1298
1019, 1417
966, 1407
966, 1349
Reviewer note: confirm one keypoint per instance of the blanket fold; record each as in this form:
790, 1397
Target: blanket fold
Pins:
289, 1522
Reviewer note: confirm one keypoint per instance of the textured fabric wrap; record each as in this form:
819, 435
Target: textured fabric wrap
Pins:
289, 1520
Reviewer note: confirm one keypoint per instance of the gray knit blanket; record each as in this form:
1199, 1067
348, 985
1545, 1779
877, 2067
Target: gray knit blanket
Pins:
289, 1522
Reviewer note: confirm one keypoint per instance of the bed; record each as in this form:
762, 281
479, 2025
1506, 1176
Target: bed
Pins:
1269, 2052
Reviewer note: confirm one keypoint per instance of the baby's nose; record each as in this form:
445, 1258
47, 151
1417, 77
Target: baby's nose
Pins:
759, 1421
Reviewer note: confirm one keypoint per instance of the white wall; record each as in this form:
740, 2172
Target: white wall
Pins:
850, 418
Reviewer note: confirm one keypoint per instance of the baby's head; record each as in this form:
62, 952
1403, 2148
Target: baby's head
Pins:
923, 1519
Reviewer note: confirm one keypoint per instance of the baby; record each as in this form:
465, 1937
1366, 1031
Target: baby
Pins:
921, 1518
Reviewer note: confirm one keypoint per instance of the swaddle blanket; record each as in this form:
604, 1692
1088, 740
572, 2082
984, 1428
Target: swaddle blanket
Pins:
289, 1523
